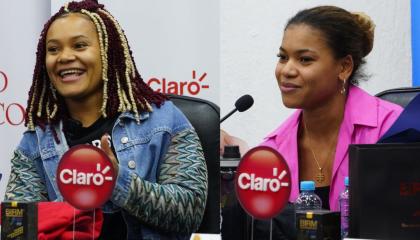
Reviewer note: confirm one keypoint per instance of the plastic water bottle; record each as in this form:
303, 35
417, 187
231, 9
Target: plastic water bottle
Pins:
344, 209
307, 199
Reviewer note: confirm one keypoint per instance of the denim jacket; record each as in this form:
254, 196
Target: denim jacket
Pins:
162, 179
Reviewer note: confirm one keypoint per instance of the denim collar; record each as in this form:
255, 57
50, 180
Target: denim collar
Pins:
132, 116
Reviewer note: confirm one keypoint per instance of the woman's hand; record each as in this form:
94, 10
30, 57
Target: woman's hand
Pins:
106, 147
226, 139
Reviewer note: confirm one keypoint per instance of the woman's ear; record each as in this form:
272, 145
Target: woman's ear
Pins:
346, 67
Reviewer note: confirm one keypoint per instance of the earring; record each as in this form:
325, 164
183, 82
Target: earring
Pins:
343, 89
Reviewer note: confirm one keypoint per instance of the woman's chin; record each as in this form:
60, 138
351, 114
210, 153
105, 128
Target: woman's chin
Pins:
291, 103
73, 95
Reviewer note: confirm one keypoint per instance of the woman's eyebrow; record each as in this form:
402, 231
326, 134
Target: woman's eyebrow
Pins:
72, 38
299, 51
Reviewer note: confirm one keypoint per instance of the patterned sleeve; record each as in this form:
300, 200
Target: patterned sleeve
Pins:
177, 201
24, 184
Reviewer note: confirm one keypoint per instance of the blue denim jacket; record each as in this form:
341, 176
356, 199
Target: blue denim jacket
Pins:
162, 180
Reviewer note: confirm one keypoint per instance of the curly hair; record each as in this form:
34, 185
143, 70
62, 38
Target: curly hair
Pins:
123, 87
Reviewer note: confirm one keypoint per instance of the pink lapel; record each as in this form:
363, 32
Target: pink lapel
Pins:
360, 109
286, 145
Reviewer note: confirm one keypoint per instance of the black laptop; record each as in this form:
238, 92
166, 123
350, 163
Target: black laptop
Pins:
385, 191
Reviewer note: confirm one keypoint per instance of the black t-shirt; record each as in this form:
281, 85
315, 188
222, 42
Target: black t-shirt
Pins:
113, 225
77, 134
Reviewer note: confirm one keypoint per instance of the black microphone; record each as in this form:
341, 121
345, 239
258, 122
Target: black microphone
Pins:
242, 104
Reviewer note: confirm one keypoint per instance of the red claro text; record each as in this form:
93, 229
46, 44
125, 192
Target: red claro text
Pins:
192, 87
11, 114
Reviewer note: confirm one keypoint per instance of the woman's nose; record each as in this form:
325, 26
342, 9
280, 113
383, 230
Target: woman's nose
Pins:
67, 55
289, 69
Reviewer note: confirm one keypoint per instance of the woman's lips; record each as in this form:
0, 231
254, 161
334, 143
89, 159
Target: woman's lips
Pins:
71, 77
288, 87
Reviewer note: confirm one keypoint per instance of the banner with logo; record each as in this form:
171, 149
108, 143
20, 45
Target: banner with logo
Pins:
20, 23
175, 43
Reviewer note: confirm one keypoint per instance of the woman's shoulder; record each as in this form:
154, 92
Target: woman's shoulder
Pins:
388, 107
28, 144
388, 113
359, 101
284, 129
361, 96
168, 115
167, 111
375, 114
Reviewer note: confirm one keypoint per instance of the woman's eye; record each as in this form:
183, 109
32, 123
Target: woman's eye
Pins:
80, 45
282, 57
52, 49
306, 59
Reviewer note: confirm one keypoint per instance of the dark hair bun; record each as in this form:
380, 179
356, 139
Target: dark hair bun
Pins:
368, 27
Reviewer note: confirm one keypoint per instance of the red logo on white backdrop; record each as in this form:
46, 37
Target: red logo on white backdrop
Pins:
85, 177
192, 87
3, 81
263, 182
12, 114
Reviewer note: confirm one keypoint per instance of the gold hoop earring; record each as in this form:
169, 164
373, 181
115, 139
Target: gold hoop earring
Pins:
343, 89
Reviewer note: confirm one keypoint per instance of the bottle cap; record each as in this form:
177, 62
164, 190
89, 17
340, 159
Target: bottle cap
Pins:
307, 185
346, 181
231, 151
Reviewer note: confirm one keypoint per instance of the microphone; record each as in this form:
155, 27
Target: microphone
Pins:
242, 104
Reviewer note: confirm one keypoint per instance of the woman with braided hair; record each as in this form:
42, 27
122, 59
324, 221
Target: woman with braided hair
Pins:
86, 89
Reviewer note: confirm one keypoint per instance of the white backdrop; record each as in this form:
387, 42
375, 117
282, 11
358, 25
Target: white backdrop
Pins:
170, 40
235, 41
20, 25
251, 33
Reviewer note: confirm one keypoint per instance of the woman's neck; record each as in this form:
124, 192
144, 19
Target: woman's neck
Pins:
324, 121
86, 111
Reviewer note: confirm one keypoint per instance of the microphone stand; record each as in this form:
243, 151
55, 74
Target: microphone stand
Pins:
228, 115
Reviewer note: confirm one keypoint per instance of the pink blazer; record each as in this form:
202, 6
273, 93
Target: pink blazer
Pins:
366, 119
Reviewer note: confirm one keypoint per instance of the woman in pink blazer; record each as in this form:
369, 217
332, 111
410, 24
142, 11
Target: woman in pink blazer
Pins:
319, 68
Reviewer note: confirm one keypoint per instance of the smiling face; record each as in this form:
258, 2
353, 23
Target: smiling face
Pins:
73, 58
307, 72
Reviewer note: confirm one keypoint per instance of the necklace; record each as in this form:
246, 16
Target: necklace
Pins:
320, 176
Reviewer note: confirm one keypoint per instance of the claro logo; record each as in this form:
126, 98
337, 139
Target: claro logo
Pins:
68, 176
12, 114
192, 87
249, 181
3, 81
262, 182
85, 177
